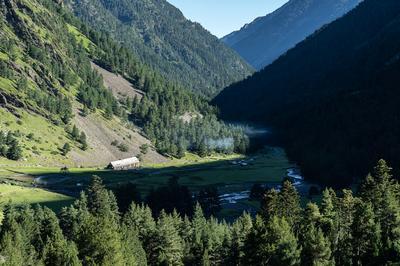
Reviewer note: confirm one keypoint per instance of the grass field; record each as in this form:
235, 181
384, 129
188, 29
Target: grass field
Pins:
18, 195
195, 172
230, 174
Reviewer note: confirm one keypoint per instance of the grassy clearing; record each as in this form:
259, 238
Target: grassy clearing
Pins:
18, 195
39, 138
3, 56
6, 85
80, 37
193, 159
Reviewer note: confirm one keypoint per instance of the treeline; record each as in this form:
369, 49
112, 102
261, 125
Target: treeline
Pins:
342, 230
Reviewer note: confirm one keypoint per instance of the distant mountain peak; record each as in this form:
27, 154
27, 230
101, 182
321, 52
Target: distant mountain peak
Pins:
266, 38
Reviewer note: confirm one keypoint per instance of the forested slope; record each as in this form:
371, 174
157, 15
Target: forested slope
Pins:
333, 97
55, 109
163, 38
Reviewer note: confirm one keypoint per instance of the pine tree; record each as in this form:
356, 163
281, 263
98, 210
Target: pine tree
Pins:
241, 228
57, 250
330, 221
169, 244
108, 113
14, 151
65, 149
272, 243
96, 230
344, 251
15, 240
270, 204
139, 219
316, 248
134, 253
83, 141
366, 235
290, 204
381, 191
198, 238
75, 133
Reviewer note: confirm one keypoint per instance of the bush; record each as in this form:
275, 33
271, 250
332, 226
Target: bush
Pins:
123, 147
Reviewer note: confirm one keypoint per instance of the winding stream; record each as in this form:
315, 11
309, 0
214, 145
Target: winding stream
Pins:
293, 174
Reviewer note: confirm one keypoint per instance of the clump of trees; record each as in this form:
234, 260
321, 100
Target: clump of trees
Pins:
9, 146
78, 136
344, 229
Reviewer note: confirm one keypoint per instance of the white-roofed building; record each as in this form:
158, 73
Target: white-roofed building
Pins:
125, 164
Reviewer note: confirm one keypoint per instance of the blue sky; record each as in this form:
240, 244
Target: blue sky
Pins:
221, 17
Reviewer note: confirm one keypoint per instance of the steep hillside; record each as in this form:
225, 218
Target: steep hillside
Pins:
333, 97
43, 68
162, 37
70, 95
267, 38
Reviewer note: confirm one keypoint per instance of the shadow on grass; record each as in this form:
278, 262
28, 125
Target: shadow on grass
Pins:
259, 168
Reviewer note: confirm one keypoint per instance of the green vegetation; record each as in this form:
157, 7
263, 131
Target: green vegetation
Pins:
47, 72
80, 37
344, 230
269, 167
9, 146
38, 138
157, 33
18, 195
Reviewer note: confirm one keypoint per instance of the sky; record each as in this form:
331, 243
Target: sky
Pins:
221, 17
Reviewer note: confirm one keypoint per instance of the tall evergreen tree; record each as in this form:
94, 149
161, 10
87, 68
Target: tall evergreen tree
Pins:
366, 235
169, 243
272, 243
316, 249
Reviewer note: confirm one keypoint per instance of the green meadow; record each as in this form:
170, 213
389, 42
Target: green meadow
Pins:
230, 174
17, 195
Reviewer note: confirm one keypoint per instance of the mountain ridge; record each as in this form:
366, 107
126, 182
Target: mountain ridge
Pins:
331, 96
160, 35
266, 38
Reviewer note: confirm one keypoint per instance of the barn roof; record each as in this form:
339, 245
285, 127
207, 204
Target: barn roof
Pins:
125, 162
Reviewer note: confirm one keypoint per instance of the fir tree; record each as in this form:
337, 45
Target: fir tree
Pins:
241, 228
366, 235
75, 133
83, 141
169, 243
14, 151
316, 248
65, 149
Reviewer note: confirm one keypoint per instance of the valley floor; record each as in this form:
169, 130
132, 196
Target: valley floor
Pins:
233, 175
